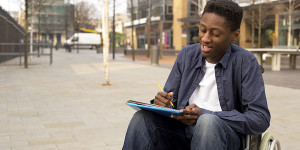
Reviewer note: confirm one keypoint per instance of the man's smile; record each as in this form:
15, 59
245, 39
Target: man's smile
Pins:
205, 48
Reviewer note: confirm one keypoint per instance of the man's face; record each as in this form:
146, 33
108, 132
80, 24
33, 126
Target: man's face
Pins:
215, 37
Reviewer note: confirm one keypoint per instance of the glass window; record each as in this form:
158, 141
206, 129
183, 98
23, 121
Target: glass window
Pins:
167, 37
156, 11
296, 20
194, 4
169, 9
141, 41
283, 20
143, 14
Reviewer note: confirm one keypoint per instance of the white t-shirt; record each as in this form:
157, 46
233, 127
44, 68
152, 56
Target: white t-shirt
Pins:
206, 94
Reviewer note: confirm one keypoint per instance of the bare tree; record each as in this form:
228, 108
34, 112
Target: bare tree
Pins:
105, 30
26, 33
293, 4
259, 20
132, 27
148, 28
31, 30
83, 14
252, 23
39, 6
259, 25
199, 5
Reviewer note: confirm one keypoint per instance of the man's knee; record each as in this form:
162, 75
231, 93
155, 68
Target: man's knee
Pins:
138, 117
211, 131
208, 133
209, 126
208, 121
141, 118
137, 131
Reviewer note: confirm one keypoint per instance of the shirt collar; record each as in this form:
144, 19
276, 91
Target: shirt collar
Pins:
225, 58
200, 62
223, 61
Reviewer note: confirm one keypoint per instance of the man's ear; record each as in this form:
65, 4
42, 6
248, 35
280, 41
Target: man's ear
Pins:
235, 35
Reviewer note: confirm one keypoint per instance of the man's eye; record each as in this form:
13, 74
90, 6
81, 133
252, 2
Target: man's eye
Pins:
216, 34
203, 31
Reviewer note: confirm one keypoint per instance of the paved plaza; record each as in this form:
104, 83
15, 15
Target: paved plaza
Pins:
65, 105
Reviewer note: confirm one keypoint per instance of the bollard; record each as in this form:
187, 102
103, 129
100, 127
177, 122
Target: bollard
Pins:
154, 55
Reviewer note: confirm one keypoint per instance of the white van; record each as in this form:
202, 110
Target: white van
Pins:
91, 40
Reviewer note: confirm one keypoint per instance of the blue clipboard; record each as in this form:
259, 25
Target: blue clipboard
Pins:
164, 111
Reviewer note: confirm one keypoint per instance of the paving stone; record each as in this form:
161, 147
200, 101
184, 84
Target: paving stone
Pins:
65, 106
49, 141
66, 124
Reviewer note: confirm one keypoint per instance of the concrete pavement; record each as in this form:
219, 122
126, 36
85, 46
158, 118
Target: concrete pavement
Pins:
65, 106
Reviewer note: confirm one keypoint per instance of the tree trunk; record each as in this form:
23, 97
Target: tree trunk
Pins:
132, 38
149, 30
39, 31
114, 31
259, 27
252, 25
106, 41
290, 24
26, 32
161, 30
31, 29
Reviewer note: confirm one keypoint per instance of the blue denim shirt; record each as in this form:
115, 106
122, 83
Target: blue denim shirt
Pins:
239, 82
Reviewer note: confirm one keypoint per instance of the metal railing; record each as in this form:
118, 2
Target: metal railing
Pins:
18, 49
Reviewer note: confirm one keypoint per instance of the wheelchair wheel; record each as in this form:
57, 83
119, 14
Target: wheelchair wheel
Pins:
268, 142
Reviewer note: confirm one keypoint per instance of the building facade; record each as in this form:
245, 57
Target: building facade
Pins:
50, 17
189, 20
182, 28
160, 16
274, 24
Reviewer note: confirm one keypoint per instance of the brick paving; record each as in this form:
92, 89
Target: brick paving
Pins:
65, 106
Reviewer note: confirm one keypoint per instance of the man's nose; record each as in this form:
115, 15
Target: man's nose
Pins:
206, 38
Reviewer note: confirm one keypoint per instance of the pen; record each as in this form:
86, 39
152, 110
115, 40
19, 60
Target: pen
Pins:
164, 91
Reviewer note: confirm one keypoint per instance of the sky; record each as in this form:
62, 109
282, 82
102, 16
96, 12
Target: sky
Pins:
11, 5
15, 5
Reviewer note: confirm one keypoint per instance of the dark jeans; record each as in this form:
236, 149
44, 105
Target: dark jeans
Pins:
149, 131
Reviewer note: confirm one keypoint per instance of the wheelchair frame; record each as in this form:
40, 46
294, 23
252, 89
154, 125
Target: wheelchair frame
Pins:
267, 142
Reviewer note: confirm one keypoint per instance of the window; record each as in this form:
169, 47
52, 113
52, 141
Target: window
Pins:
169, 10
141, 41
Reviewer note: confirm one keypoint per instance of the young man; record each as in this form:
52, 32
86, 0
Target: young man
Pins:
216, 84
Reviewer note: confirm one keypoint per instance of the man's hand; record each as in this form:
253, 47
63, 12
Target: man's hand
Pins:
163, 99
191, 115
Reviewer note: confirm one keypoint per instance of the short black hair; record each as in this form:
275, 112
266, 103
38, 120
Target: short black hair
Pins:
232, 12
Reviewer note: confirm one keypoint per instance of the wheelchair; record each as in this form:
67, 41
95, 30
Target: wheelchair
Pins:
267, 142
